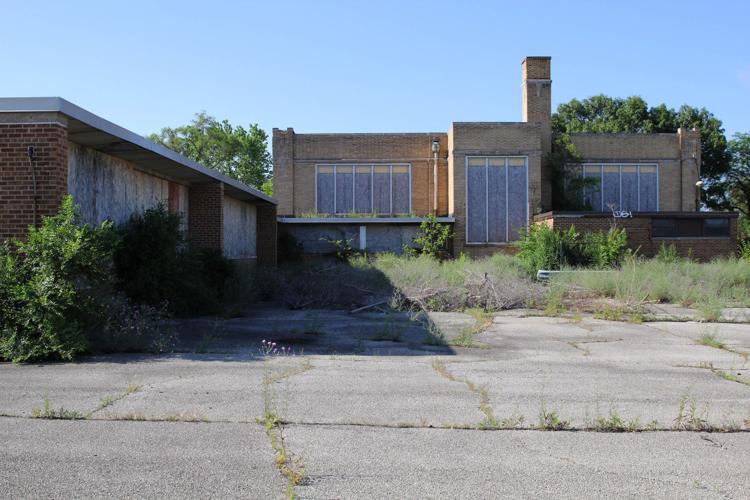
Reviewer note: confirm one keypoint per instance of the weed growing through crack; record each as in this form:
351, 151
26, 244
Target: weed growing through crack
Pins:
110, 400
615, 423
46, 411
289, 465
489, 422
549, 420
610, 313
688, 418
482, 321
711, 340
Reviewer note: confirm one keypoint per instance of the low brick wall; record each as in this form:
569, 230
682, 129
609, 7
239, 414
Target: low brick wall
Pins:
639, 227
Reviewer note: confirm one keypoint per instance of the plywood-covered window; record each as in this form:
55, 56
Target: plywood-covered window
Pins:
633, 187
363, 189
496, 198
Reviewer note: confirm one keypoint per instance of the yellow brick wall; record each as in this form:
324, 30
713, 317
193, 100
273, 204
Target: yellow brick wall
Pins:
299, 153
491, 139
678, 172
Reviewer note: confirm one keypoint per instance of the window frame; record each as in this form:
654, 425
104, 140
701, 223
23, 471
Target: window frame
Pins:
638, 164
701, 236
486, 197
371, 166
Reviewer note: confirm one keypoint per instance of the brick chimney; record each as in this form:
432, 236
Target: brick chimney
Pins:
537, 108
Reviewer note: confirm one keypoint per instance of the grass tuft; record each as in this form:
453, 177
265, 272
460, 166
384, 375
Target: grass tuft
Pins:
46, 411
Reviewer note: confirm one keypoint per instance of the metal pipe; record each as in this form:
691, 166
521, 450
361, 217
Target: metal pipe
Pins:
435, 150
30, 153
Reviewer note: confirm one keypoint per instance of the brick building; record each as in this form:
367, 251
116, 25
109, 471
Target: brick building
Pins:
489, 180
50, 148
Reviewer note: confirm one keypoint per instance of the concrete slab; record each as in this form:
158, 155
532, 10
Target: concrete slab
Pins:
376, 391
96, 459
210, 390
76, 386
347, 462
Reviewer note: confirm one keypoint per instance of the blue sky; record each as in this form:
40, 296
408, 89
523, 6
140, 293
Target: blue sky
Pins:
354, 66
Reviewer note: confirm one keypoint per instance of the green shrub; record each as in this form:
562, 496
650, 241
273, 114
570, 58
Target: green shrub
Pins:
605, 249
343, 248
432, 237
154, 265
50, 286
545, 248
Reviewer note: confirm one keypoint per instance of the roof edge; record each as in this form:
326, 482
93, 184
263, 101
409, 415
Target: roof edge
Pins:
65, 107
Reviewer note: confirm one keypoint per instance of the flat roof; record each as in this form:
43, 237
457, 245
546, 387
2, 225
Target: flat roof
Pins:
90, 130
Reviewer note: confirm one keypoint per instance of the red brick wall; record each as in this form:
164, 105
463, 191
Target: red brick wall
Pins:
266, 241
206, 219
638, 230
50, 142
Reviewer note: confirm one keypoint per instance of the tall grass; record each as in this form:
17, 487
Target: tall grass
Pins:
720, 283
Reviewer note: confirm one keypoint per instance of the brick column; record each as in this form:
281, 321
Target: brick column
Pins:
690, 161
45, 174
266, 235
206, 216
283, 170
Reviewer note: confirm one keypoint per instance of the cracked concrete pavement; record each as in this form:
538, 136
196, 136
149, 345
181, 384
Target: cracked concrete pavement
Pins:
369, 415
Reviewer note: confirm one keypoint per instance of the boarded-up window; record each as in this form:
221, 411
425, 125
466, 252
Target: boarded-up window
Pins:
630, 187
476, 200
344, 189
611, 187
592, 193
363, 189
648, 188
496, 199
382, 189
401, 190
325, 190
517, 190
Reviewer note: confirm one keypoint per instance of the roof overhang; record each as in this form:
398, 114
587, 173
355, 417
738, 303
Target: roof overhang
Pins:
90, 130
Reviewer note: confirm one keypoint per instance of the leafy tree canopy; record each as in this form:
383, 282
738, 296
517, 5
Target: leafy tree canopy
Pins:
738, 177
605, 114
232, 150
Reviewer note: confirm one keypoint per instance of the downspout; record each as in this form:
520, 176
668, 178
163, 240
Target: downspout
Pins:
30, 153
435, 150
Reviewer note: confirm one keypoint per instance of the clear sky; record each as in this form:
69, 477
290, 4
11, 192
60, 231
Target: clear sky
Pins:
389, 66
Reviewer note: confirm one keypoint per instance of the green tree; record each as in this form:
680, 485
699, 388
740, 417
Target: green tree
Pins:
738, 178
235, 151
605, 114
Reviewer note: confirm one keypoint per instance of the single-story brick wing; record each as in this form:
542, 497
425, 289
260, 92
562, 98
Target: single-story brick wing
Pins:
50, 147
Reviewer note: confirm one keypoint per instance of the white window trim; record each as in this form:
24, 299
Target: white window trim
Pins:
486, 198
619, 166
372, 184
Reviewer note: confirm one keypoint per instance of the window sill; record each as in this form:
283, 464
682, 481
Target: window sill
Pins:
360, 220
691, 237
